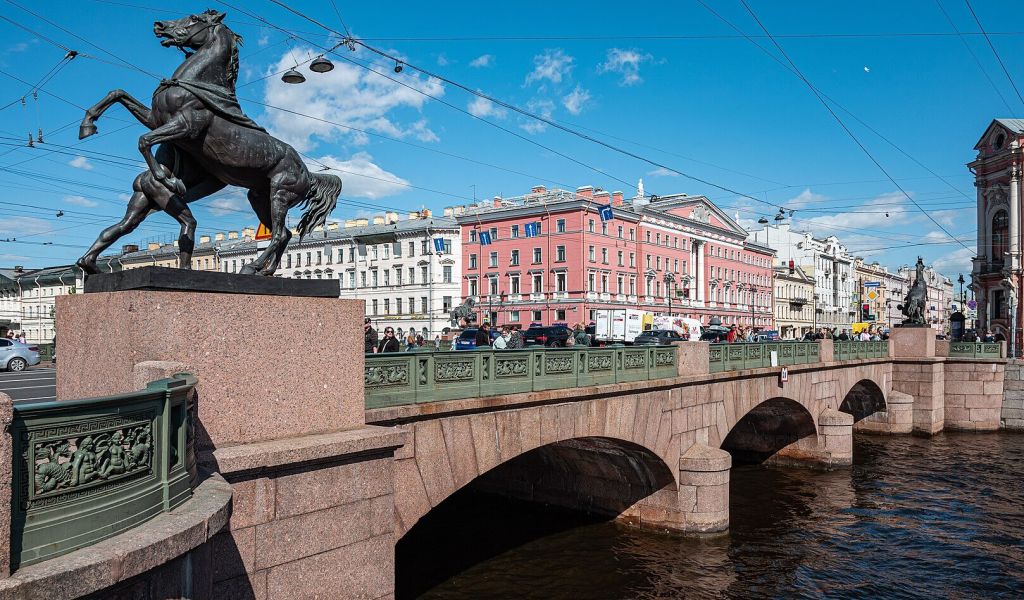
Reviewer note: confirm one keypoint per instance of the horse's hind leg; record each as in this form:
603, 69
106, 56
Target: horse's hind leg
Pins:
179, 210
139, 207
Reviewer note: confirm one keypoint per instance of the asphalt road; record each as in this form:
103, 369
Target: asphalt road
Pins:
37, 383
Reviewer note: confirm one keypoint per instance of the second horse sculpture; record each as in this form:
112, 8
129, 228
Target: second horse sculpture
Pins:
914, 304
206, 143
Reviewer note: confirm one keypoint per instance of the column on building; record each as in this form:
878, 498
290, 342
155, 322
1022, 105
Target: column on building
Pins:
1014, 217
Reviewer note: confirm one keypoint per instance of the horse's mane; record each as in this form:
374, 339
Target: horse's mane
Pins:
233, 61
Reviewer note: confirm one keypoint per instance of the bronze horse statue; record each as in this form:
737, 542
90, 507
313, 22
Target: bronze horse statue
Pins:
917, 297
206, 143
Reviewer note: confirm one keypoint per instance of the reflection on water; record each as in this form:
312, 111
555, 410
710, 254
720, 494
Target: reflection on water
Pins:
940, 517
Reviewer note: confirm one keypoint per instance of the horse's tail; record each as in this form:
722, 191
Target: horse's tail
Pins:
324, 190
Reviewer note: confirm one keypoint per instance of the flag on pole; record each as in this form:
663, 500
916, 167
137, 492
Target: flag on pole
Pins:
439, 245
531, 229
485, 238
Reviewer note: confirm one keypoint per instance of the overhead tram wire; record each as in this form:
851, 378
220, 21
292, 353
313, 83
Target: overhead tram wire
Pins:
994, 51
511, 107
863, 123
843, 125
974, 56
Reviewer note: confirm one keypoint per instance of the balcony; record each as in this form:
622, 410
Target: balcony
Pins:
591, 296
605, 297
560, 295
798, 301
620, 298
536, 296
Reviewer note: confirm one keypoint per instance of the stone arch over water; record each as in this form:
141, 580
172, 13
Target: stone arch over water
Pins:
774, 428
864, 399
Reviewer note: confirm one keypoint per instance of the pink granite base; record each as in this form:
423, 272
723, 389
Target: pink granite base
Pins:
912, 342
268, 366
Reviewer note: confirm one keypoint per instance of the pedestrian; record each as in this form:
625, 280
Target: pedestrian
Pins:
580, 336
369, 337
989, 338
731, 336
749, 337
21, 337
389, 343
844, 337
864, 336
437, 342
410, 341
501, 342
515, 339
970, 336
419, 341
483, 336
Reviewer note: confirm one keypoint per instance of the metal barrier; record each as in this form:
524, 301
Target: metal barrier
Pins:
857, 350
975, 350
401, 378
734, 357
86, 470
45, 351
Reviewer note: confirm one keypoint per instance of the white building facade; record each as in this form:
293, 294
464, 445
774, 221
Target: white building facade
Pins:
390, 263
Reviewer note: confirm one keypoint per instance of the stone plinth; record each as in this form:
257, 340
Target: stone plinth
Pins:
6, 479
692, 358
268, 366
826, 351
704, 488
912, 342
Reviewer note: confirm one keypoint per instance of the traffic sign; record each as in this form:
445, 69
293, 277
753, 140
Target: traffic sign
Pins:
872, 284
872, 295
262, 233
971, 304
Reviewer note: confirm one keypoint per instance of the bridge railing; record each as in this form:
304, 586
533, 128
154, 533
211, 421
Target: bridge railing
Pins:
397, 379
975, 350
852, 350
734, 357
86, 470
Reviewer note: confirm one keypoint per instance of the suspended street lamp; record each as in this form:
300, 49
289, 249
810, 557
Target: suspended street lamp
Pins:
293, 76
321, 65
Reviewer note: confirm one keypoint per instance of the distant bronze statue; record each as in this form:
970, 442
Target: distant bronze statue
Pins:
913, 305
207, 142
463, 315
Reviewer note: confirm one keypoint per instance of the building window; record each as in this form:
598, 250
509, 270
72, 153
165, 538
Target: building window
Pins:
591, 282
374, 303
632, 259
387, 306
632, 286
352, 279
590, 254
473, 287
424, 248
1000, 237
560, 254
472, 261
447, 274
398, 305
619, 257
398, 275
560, 315
472, 236
618, 284
446, 304
493, 260
538, 283
559, 282
620, 232
492, 284
423, 275
362, 278
387, 277
446, 243
536, 256
513, 316
494, 233
604, 255
373, 254
515, 258
412, 275
535, 316
604, 283
560, 225
373, 275
423, 305
386, 255
513, 284
590, 226
514, 232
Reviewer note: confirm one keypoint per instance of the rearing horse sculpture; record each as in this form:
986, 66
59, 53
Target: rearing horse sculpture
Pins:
917, 297
207, 142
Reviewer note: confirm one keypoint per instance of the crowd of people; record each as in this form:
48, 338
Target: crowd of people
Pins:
868, 334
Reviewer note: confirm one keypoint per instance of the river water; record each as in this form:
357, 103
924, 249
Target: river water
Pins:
941, 517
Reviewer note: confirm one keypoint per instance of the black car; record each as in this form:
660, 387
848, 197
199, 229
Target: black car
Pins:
552, 337
659, 337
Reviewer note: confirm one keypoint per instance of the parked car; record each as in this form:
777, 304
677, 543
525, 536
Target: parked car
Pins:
553, 336
467, 339
15, 356
714, 333
768, 335
659, 337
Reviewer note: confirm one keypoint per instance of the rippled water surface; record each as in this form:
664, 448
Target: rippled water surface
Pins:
914, 518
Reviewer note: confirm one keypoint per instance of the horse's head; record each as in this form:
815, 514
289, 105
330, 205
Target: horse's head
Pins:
192, 32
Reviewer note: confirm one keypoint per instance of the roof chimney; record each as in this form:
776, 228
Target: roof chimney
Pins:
616, 198
19, 269
362, 222
378, 220
449, 211
603, 197
497, 202
248, 232
156, 245
391, 217
538, 189
586, 191
232, 235
426, 213
350, 223
203, 239
219, 236
332, 226
129, 248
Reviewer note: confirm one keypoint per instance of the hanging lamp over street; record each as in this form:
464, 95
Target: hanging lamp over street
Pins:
293, 76
321, 65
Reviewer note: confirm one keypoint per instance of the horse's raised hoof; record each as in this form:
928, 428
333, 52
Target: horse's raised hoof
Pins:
247, 270
87, 265
85, 130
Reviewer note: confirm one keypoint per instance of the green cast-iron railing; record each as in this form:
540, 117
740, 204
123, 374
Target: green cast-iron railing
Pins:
397, 379
975, 350
86, 470
855, 350
734, 357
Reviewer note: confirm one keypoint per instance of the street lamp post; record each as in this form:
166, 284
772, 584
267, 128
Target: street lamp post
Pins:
669, 279
753, 291
814, 328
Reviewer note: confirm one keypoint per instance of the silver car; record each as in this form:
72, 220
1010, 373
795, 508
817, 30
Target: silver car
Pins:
15, 356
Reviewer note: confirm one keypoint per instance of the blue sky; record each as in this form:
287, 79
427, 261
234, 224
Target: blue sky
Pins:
670, 82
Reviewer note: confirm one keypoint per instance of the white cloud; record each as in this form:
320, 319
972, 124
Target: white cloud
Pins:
348, 95
482, 107
233, 204
957, 261
80, 162
15, 226
575, 100
81, 201
539, 106
482, 61
263, 40
869, 216
362, 178
625, 62
804, 199
662, 172
553, 65
442, 60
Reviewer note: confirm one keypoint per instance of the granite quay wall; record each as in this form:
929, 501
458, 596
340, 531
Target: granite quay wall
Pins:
1011, 415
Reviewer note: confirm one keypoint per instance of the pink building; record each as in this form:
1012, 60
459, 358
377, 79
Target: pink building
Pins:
552, 258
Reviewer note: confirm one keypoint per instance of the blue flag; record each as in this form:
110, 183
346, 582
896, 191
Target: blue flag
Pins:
439, 245
606, 213
532, 229
485, 238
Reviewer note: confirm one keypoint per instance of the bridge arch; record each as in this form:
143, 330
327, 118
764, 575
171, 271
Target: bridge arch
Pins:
863, 399
775, 428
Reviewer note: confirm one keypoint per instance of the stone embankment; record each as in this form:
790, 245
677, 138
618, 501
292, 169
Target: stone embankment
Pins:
1012, 413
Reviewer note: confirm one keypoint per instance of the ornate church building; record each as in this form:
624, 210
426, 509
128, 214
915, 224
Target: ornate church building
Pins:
996, 275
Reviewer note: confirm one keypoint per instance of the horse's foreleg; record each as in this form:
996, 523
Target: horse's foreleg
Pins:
139, 207
138, 110
178, 208
280, 200
175, 129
